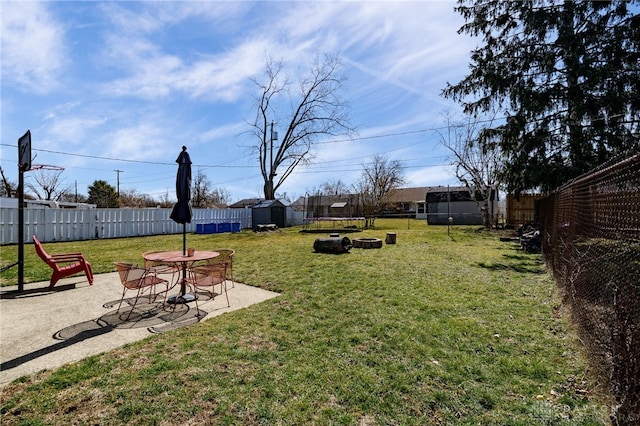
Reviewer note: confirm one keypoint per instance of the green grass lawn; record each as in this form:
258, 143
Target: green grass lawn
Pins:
437, 329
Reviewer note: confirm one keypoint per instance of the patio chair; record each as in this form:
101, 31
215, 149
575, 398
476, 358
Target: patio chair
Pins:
226, 256
139, 279
206, 277
160, 268
63, 264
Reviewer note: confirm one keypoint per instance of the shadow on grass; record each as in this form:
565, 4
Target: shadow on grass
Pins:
521, 263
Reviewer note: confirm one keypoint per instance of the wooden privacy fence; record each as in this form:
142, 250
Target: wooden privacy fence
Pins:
51, 224
522, 210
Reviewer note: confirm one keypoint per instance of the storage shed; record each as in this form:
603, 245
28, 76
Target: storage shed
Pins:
457, 203
269, 212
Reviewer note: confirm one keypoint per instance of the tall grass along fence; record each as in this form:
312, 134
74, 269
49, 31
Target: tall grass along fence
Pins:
50, 224
591, 241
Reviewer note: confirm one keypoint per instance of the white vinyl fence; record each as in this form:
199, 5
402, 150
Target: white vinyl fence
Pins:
51, 224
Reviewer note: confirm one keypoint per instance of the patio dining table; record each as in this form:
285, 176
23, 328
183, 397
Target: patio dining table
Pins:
182, 262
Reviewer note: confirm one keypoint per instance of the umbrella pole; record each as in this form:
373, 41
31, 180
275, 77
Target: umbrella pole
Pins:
184, 239
183, 290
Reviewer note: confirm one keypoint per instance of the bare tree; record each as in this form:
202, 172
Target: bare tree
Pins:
378, 179
48, 185
165, 201
220, 195
334, 187
314, 109
477, 160
8, 188
132, 198
73, 198
200, 190
203, 195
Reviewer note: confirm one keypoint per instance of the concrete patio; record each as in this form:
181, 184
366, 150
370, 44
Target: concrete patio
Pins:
44, 329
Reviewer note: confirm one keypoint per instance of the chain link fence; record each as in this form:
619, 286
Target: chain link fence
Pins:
591, 241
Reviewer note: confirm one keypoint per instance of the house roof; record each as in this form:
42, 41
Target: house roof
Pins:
399, 195
404, 195
299, 204
245, 203
441, 188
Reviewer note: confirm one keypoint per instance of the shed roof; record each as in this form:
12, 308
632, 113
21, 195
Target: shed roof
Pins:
270, 203
246, 202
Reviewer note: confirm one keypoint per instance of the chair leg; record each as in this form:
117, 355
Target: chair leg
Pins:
233, 281
54, 279
194, 288
124, 290
224, 284
134, 303
88, 272
164, 293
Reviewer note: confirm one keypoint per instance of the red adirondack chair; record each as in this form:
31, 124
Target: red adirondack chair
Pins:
64, 264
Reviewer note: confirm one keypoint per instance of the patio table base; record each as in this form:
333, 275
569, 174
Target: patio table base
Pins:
178, 298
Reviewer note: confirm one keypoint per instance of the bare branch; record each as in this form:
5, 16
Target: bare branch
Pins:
378, 180
48, 185
316, 110
476, 157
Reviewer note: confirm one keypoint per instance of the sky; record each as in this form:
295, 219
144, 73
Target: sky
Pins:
112, 90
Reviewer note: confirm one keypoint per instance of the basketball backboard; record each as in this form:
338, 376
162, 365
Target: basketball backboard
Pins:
24, 152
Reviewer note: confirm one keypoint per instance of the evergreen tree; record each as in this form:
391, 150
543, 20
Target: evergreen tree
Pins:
567, 76
102, 194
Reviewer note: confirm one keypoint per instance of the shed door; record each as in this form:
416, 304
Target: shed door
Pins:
278, 216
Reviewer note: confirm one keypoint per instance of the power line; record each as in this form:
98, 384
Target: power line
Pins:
97, 157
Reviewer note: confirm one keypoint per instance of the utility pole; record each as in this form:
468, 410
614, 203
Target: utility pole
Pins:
274, 136
118, 182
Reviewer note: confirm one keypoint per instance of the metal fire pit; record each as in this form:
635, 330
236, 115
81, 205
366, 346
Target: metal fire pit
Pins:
367, 243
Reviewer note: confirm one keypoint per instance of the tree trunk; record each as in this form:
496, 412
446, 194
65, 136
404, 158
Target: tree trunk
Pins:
269, 193
332, 245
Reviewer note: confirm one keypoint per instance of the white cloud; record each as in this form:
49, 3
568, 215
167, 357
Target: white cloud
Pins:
148, 76
432, 176
33, 47
227, 131
144, 141
74, 131
149, 71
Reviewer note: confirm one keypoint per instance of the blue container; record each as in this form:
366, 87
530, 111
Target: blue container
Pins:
210, 228
199, 228
235, 227
224, 227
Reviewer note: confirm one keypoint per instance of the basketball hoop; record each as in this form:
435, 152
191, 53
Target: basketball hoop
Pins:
45, 167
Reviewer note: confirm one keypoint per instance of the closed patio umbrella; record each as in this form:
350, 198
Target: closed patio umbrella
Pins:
181, 212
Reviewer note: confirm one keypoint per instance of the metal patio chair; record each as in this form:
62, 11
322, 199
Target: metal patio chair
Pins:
139, 280
206, 277
226, 256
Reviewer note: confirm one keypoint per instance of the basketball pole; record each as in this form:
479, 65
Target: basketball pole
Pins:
24, 165
20, 229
